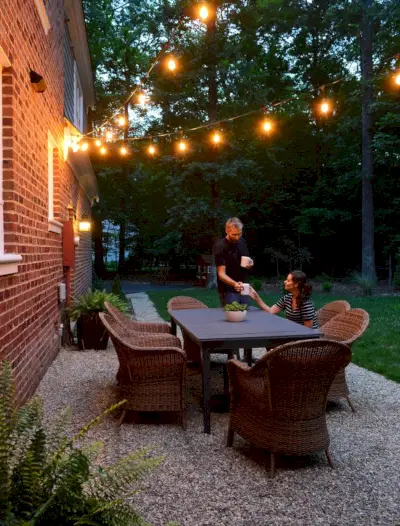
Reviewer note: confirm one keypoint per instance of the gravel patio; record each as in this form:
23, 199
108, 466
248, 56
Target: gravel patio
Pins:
201, 482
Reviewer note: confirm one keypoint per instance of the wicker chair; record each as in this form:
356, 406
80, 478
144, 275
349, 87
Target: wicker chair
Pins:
137, 326
186, 302
279, 403
152, 376
328, 311
346, 328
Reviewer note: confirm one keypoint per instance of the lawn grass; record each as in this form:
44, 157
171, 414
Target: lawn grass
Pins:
377, 350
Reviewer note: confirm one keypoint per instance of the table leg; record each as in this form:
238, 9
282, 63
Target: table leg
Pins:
173, 327
205, 368
248, 356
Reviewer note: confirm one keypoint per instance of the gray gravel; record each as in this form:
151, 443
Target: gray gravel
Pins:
201, 482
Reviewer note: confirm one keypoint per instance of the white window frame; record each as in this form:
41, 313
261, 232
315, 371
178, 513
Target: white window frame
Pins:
78, 100
8, 262
43, 15
54, 226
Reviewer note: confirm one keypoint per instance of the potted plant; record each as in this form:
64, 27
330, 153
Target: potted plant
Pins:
235, 311
85, 310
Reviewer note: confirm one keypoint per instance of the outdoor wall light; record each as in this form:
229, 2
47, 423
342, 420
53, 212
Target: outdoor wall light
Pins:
37, 81
84, 224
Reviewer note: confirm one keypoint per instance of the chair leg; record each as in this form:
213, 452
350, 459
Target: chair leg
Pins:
329, 457
229, 436
122, 417
350, 404
271, 465
248, 355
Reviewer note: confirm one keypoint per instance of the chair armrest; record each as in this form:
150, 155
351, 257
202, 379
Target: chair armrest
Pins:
145, 340
147, 326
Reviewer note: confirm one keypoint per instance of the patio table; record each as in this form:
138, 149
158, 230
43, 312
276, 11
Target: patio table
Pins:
213, 333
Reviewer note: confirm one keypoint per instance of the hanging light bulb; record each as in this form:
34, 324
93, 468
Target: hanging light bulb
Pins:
75, 147
267, 126
109, 135
103, 150
203, 12
142, 98
171, 64
123, 150
182, 146
98, 142
121, 120
397, 79
325, 107
216, 138
152, 149
84, 146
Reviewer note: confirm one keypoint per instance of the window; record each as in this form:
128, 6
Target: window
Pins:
8, 262
78, 101
52, 152
41, 8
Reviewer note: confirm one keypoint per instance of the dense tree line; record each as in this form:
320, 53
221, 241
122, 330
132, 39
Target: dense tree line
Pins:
299, 191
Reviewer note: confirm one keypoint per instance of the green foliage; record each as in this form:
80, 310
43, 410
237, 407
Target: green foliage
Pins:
364, 282
116, 289
256, 284
327, 286
396, 278
235, 306
47, 479
93, 302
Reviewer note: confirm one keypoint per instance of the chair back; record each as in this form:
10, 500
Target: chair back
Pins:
328, 311
185, 302
115, 313
298, 376
347, 327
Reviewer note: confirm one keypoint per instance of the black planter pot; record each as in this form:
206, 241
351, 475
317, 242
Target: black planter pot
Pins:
91, 332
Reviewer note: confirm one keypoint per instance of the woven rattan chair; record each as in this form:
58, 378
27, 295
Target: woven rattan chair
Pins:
152, 376
328, 311
137, 326
186, 302
346, 328
279, 403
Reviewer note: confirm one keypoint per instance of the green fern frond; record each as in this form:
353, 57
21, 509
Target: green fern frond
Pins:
6, 423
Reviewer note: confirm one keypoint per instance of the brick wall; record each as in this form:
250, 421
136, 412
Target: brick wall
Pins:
29, 307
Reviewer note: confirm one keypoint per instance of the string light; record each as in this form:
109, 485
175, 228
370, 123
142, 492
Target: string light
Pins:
142, 98
216, 138
98, 142
325, 107
171, 64
267, 126
203, 12
103, 150
109, 135
121, 120
397, 79
123, 150
84, 146
75, 147
152, 149
182, 146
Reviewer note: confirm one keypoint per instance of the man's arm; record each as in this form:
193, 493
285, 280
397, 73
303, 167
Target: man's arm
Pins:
223, 276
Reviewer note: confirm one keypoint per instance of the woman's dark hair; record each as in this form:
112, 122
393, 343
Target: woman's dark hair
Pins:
305, 288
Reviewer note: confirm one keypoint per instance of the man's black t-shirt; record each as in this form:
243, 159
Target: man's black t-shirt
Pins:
229, 255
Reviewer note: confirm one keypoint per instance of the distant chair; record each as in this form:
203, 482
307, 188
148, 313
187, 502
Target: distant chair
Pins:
133, 325
328, 311
279, 403
346, 327
152, 373
186, 302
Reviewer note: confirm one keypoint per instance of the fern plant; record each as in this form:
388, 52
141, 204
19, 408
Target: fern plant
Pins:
93, 302
47, 479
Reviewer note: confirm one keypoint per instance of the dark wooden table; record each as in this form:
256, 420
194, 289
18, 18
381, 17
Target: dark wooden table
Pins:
213, 333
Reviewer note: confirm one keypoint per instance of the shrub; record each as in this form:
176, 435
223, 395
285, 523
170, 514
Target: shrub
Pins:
327, 286
256, 284
93, 302
46, 479
365, 283
117, 289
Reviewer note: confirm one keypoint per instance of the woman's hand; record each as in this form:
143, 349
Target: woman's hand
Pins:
253, 294
238, 286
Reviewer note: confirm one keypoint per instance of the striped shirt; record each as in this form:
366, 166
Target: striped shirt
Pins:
305, 313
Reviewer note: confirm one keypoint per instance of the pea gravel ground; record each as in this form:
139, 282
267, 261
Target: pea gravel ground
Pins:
201, 482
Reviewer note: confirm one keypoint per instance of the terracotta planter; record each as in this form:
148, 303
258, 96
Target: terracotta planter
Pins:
91, 332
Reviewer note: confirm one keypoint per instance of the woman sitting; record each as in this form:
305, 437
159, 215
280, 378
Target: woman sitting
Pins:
296, 303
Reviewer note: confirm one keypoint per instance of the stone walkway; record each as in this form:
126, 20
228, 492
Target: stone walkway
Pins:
202, 483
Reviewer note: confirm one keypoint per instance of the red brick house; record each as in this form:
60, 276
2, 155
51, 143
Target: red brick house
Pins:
45, 188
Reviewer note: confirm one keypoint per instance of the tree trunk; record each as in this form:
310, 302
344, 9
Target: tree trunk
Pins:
122, 225
368, 249
97, 237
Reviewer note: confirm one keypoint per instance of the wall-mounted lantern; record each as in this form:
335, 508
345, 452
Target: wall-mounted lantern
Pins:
37, 81
84, 224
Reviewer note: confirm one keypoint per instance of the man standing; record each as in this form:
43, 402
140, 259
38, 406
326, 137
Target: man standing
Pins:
228, 253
